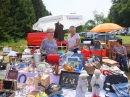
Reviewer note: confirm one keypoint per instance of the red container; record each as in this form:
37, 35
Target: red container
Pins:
53, 58
99, 52
85, 52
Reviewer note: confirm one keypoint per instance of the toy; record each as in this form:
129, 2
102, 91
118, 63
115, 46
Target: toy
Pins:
96, 83
81, 88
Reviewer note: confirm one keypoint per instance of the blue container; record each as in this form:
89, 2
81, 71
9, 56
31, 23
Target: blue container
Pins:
61, 54
22, 65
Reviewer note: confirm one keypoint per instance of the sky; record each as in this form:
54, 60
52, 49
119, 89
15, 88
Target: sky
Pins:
79, 7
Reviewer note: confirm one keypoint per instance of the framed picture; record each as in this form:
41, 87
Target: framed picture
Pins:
69, 79
12, 74
97, 58
3, 74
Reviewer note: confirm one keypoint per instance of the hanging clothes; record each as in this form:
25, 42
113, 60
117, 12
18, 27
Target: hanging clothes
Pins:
59, 33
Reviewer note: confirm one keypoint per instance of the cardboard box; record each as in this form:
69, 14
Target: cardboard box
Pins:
45, 81
9, 86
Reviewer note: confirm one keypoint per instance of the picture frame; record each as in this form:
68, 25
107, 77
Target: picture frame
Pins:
69, 79
12, 74
3, 74
97, 58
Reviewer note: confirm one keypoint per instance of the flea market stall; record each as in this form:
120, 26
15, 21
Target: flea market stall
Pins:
62, 75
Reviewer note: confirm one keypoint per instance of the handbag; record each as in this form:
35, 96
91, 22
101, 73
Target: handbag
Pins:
114, 79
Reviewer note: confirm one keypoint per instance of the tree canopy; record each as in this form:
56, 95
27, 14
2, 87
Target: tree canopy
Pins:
98, 19
18, 16
120, 12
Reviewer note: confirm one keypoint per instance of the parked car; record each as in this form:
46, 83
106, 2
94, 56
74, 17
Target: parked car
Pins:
124, 32
90, 35
128, 33
117, 32
81, 33
106, 37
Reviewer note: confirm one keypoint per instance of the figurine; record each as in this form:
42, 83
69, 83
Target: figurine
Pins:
42, 68
96, 83
81, 88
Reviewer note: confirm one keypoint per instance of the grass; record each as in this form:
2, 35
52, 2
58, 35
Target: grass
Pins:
23, 42
126, 39
13, 44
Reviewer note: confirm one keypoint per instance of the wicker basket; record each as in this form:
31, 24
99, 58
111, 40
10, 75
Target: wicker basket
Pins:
97, 65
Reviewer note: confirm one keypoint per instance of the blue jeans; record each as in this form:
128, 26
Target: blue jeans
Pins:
75, 50
122, 61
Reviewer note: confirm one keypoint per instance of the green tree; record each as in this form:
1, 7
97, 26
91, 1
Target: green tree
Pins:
90, 24
23, 17
81, 28
4, 20
106, 20
98, 18
40, 9
120, 12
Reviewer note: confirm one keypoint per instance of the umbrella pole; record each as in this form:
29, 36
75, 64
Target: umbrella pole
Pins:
105, 38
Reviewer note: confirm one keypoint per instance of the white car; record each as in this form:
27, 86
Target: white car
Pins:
128, 33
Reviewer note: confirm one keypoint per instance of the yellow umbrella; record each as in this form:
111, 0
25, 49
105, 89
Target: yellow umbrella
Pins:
106, 27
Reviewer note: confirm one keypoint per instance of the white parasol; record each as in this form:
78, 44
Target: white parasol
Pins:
66, 20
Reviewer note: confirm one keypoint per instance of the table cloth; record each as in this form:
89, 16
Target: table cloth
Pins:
66, 92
